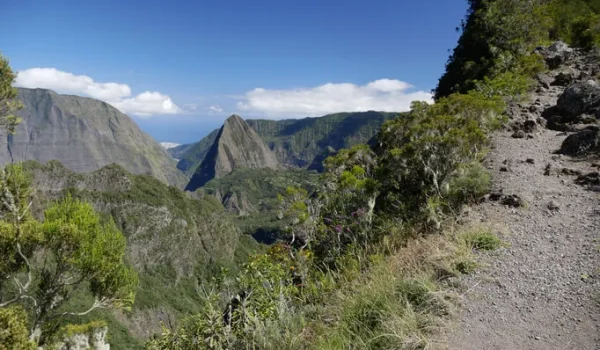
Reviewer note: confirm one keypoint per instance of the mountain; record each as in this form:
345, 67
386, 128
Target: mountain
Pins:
236, 146
84, 134
301, 143
191, 155
174, 241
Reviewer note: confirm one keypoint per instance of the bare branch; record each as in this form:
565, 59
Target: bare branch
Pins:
103, 303
23, 289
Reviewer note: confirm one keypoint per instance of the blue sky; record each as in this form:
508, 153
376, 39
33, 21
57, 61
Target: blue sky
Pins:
180, 67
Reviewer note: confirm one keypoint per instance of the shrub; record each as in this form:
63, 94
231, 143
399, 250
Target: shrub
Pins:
14, 333
482, 240
468, 184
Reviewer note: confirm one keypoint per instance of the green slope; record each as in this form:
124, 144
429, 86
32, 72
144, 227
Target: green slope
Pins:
297, 142
250, 196
174, 242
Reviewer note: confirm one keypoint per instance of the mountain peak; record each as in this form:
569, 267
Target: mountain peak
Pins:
237, 146
84, 134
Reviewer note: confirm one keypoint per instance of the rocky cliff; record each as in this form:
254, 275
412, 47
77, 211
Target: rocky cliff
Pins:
236, 146
301, 143
84, 134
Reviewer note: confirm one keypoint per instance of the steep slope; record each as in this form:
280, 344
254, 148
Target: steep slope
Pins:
297, 142
173, 241
236, 146
84, 134
251, 195
191, 155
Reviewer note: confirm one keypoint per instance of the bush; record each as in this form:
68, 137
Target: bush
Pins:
468, 184
14, 333
482, 240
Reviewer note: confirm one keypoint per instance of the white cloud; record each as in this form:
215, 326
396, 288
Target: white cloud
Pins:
146, 104
119, 95
216, 109
380, 95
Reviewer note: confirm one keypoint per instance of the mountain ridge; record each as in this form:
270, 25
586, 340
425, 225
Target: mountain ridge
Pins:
236, 146
84, 134
296, 142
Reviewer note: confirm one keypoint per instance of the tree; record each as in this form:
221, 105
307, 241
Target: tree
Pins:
8, 97
49, 262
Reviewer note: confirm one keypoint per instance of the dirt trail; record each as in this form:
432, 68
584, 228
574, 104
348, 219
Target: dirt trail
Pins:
543, 291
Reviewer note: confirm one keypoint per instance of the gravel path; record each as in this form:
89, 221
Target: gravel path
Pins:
543, 290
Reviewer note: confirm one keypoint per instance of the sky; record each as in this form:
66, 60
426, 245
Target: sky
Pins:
179, 68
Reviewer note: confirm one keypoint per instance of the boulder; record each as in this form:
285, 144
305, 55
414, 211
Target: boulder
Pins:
566, 76
583, 142
519, 134
556, 54
579, 99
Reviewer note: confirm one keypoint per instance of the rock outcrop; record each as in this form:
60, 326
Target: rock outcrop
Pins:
582, 143
579, 100
297, 143
84, 134
236, 146
556, 54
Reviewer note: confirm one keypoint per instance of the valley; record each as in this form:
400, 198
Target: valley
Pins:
388, 218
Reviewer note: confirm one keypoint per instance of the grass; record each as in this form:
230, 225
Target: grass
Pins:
482, 239
402, 301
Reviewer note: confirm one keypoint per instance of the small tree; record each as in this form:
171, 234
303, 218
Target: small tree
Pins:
49, 262
8, 97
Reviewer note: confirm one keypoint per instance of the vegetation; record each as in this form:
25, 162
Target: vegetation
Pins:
371, 248
14, 333
370, 252
302, 143
8, 97
49, 262
498, 36
369, 205
176, 243
251, 195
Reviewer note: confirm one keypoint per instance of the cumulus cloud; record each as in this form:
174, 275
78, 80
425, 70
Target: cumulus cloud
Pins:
216, 109
119, 95
380, 95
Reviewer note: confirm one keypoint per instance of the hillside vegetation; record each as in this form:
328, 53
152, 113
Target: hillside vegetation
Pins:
372, 253
252, 197
302, 143
173, 241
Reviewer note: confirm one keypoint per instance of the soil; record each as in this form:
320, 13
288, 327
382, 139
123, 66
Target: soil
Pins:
541, 291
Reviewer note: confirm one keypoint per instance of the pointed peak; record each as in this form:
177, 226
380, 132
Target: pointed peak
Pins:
234, 118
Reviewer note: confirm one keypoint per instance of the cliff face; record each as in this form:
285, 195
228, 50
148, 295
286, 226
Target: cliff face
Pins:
84, 134
299, 143
236, 146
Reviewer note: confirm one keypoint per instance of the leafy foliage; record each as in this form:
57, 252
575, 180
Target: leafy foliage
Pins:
421, 155
14, 333
51, 261
8, 97
498, 36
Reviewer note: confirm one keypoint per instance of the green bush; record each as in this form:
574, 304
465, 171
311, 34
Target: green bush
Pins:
468, 184
482, 240
14, 333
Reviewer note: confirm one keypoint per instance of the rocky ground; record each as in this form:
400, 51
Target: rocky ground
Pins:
541, 291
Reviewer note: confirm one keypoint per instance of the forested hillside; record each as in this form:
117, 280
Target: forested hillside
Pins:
302, 143
373, 253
